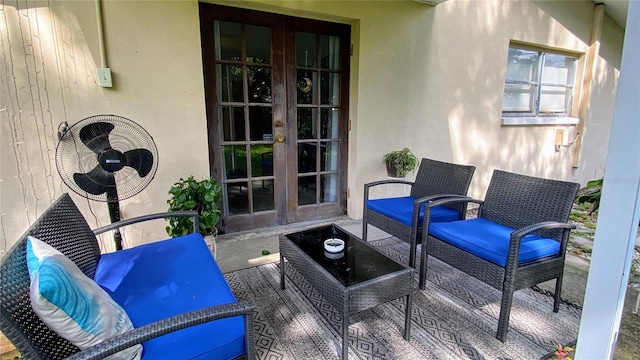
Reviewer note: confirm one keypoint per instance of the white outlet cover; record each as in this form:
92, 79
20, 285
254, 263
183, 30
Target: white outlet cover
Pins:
104, 77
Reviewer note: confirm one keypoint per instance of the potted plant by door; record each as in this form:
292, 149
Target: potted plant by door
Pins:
204, 197
400, 162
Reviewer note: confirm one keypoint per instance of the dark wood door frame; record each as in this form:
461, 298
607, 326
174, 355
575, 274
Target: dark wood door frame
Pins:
284, 109
294, 212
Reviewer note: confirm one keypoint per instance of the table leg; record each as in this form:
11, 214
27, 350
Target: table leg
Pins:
281, 272
345, 329
407, 316
345, 337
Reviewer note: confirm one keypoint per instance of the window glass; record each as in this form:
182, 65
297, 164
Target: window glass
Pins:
522, 66
538, 83
305, 50
233, 125
330, 52
229, 83
258, 44
231, 48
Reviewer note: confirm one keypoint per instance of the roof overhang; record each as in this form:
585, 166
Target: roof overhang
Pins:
616, 9
430, 2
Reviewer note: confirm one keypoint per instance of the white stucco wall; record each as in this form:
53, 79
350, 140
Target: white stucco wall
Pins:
49, 55
428, 78
432, 78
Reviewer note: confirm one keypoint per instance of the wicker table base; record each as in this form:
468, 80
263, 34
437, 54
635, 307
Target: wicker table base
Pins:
353, 281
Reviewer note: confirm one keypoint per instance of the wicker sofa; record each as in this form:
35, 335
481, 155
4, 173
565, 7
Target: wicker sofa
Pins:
519, 238
196, 312
403, 217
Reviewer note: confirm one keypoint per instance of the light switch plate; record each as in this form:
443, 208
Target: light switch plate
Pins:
104, 77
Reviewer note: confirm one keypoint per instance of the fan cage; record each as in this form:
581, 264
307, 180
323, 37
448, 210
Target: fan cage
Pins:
73, 156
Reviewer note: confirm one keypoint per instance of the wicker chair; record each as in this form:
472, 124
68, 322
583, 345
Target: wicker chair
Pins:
530, 215
403, 217
63, 227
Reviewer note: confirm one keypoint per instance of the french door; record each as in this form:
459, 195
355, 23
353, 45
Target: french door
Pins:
276, 91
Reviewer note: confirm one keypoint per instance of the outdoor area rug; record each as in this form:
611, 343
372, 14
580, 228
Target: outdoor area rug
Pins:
455, 317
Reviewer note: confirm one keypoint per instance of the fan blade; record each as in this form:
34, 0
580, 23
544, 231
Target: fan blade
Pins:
96, 136
95, 182
139, 159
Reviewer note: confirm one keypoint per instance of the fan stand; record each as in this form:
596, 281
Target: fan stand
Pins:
114, 214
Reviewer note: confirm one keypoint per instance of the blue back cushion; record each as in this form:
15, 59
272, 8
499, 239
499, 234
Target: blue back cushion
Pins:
401, 210
166, 278
490, 240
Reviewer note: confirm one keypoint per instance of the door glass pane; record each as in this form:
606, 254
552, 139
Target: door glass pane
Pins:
307, 158
259, 82
228, 40
237, 198
329, 188
229, 83
330, 88
329, 123
262, 160
305, 49
518, 97
263, 195
235, 161
258, 44
307, 190
522, 65
306, 87
261, 123
233, 124
330, 52
329, 156
306, 123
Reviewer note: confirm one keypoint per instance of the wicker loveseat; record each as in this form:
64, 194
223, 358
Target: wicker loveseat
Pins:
176, 296
519, 238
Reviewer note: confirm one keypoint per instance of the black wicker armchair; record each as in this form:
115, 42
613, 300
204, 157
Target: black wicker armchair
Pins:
63, 227
402, 217
518, 240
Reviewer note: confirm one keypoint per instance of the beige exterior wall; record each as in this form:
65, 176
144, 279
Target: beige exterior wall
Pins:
428, 78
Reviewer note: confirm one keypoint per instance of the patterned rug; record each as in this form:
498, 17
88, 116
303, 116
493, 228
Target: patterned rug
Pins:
455, 317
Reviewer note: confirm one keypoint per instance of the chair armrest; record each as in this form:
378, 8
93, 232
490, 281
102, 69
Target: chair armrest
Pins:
383, 182
453, 199
431, 198
519, 233
171, 324
138, 219
429, 201
440, 200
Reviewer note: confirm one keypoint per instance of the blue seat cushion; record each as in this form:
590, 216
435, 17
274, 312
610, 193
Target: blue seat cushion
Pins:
161, 279
490, 240
401, 210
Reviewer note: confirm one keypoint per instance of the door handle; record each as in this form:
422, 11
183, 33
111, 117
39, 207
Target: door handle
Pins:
279, 138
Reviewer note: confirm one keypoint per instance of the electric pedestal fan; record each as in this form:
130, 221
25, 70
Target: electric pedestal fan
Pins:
106, 158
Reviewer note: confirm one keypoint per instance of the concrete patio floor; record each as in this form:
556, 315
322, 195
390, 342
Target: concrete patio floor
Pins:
242, 250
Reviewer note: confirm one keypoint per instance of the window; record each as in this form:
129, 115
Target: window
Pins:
538, 88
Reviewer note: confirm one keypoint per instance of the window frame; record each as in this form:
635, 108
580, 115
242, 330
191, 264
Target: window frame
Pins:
535, 117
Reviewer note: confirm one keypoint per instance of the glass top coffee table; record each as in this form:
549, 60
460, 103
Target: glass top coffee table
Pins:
354, 279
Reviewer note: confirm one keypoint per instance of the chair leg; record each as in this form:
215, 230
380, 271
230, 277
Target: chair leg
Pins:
412, 252
424, 257
556, 297
505, 313
364, 230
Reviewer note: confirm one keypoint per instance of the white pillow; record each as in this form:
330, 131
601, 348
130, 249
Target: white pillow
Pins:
71, 304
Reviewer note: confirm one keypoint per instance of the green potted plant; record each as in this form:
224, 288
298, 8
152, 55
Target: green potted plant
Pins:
400, 162
204, 197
